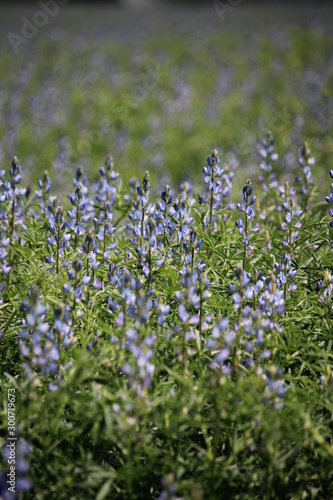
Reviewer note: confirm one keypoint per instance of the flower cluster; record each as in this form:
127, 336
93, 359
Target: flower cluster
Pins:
291, 222
246, 206
81, 211
44, 185
59, 237
169, 488
285, 270
276, 388
140, 370
155, 235
38, 344
269, 157
326, 287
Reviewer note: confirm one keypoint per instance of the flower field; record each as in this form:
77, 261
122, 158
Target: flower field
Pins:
166, 320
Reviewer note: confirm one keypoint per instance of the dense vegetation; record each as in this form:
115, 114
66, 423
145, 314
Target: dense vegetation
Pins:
180, 346
167, 334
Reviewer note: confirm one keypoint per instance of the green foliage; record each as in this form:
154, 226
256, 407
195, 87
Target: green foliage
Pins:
95, 431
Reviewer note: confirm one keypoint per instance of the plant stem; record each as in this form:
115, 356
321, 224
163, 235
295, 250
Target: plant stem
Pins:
76, 224
142, 222
124, 322
104, 242
245, 245
211, 202
184, 349
149, 263
181, 245
201, 303
58, 244
59, 351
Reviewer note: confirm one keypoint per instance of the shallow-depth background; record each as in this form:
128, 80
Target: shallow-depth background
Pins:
159, 84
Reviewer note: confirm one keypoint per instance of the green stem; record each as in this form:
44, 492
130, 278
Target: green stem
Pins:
142, 223
104, 242
211, 203
201, 304
76, 224
75, 284
59, 352
164, 231
245, 245
181, 245
58, 244
184, 349
290, 239
124, 322
149, 263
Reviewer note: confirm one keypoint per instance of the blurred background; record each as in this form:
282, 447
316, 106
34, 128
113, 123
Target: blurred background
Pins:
158, 84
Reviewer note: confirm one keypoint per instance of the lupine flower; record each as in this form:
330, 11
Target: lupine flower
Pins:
122, 279
44, 185
5, 268
269, 156
162, 310
132, 196
59, 237
169, 488
161, 215
14, 196
140, 308
246, 206
141, 370
37, 343
185, 190
105, 228
106, 191
255, 324
326, 286
271, 301
243, 281
218, 339
142, 224
286, 272
89, 247
76, 282
63, 325
81, 212
188, 298
276, 388
291, 221
191, 247
180, 213
143, 193
219, 185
